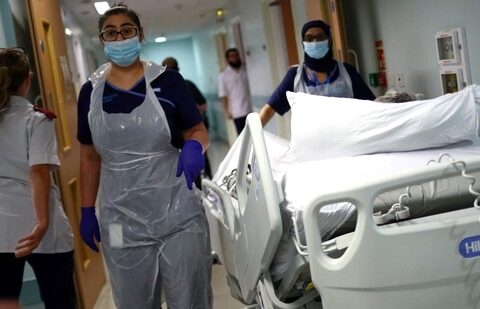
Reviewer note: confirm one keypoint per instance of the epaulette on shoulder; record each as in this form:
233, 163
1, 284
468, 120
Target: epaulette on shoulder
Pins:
46, 112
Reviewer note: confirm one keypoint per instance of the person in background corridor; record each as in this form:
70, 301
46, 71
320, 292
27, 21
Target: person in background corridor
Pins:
153, 228
234, 91
320, 74
33, 225
172, 63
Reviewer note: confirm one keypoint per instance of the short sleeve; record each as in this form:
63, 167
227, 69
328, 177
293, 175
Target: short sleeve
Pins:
186, 111
278, 100
84, 135
42, 145
222, 90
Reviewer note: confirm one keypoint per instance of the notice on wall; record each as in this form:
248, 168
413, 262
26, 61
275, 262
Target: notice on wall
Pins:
382, 67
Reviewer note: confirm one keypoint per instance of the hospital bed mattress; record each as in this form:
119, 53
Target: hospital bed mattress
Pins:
299, 182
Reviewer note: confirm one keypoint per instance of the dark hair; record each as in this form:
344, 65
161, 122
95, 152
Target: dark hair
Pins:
14, 70
119, 9
233, 49
171, 63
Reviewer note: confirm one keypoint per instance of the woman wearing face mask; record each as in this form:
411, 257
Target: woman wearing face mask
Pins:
320, 74
153, 228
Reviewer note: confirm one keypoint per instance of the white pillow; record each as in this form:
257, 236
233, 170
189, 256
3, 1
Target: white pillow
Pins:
325, 127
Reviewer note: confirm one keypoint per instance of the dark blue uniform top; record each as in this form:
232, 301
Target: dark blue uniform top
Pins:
278, 100
172, 93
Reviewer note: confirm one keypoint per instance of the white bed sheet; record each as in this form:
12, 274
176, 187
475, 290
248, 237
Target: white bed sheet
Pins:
301, 181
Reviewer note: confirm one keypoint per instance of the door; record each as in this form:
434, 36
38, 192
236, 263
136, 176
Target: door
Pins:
224, 124
288, 26
58, 94
330, 12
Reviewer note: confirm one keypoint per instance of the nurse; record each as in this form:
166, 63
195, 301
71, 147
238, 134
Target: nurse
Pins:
320, 74
153, 228
33, 226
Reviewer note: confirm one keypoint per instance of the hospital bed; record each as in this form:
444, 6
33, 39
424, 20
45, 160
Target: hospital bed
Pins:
410, 258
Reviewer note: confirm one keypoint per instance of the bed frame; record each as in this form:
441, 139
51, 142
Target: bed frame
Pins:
411, 264
248, 236
419, 263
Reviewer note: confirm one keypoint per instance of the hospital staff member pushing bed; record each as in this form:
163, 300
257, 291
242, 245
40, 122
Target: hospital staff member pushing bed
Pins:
320, 74
153, 228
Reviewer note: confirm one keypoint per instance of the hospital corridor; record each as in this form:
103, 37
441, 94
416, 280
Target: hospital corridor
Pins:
267, 154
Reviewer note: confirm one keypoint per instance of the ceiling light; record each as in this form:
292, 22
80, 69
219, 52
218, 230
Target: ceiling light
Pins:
160, 39
68, 31
101, 7
219, 12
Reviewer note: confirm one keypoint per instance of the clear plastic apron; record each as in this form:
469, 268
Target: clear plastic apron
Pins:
141, 199
340, 88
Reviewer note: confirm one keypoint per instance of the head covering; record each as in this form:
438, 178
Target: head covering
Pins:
325, 64
316, 24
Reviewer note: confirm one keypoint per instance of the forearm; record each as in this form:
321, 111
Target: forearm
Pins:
90, 165
225, 104
198, 133
40, 181
266, 113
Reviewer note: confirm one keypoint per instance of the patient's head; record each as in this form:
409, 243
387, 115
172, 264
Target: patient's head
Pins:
393, 96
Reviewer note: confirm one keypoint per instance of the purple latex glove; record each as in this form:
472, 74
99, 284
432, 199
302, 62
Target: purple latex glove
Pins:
190, 161
89, 229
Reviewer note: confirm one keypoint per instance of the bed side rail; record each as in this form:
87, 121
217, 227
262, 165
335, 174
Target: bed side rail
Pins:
259, 219
222, 210
413, 264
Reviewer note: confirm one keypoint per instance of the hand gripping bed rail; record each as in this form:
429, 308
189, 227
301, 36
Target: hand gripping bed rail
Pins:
417, 263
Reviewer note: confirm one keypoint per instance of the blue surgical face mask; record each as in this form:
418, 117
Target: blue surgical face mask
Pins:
123, 53
316, 50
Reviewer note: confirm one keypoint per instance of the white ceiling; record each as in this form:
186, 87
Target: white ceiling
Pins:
172, 18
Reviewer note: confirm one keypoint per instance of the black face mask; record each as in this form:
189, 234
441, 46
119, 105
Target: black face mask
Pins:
235, 65
325, 64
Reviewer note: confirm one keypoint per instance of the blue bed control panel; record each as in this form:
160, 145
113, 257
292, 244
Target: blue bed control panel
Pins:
470, 247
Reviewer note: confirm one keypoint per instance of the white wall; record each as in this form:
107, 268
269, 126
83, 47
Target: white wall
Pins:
181, 49
206, 64
408, 29
7, 31
84, 52
3, 39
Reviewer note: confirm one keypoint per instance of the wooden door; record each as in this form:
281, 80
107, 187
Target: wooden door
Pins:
288, 30
58, 94
330, 12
